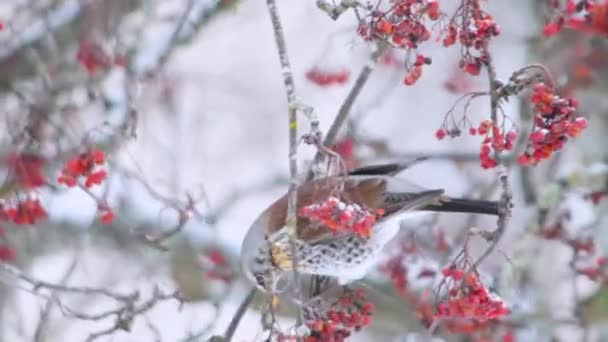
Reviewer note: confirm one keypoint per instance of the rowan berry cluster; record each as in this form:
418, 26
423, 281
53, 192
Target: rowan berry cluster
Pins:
216, 265
339, 216
86, 165
325, 78
27, 170
468, 306
473, 28
416, 71
554, 123
586, 261
583, 15
596, 272
495, 140
94, 58
351, 312
7, 253
105, 214
403, 26
345, 147
22, 211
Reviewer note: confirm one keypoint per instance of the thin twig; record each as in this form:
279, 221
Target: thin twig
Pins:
240, 312
346, 107
46, 311
292, 197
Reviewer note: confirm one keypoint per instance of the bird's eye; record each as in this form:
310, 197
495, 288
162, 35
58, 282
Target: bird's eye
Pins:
259, 278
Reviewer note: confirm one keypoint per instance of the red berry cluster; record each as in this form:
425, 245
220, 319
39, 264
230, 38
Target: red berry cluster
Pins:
351, 311
495, 140
27, 170
339, 216
345, 147
596, 272
105, 214
594, 17
458, 83
86, 165
469, 306
396, 268
416, 71
554, 123
473, 28
216, 265
402, 24
7, 253
327, 78
389, 58
23, 211
93, 58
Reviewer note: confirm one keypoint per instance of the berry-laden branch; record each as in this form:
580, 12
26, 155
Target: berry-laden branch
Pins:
503, 176
292, 215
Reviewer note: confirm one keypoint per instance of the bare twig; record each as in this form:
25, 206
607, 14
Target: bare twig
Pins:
346, 106
38, 284
126, 315
130, 307
289, 84
240, 312
46, 311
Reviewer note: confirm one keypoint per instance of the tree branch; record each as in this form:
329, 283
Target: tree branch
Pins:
288, 81
503, 176
240, 312
347, 105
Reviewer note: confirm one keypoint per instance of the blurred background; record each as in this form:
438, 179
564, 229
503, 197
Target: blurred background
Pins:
185, 98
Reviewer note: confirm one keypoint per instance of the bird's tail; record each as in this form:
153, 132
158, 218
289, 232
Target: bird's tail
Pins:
463, 205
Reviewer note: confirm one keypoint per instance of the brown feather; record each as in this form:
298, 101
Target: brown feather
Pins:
365, 192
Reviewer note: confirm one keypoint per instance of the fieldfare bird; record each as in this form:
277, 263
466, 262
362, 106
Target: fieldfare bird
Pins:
343, 224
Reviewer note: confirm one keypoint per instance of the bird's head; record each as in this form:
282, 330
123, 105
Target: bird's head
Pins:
256, 262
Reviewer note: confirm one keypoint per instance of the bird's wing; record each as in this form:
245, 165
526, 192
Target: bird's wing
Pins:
389, 194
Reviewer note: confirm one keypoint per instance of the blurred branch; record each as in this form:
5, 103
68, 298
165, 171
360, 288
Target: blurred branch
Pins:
126, 314
240, 312
129, 308
45, 313
346, 107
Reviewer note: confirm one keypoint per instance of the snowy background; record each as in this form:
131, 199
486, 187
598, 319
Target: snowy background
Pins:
223, 131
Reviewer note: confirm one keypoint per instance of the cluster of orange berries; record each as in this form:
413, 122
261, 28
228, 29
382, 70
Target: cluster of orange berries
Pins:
351, 312
554, 123
416, 71
338, 216
469, 305
403, 26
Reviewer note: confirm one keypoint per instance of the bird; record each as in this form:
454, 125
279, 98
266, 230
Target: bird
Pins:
266, 258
